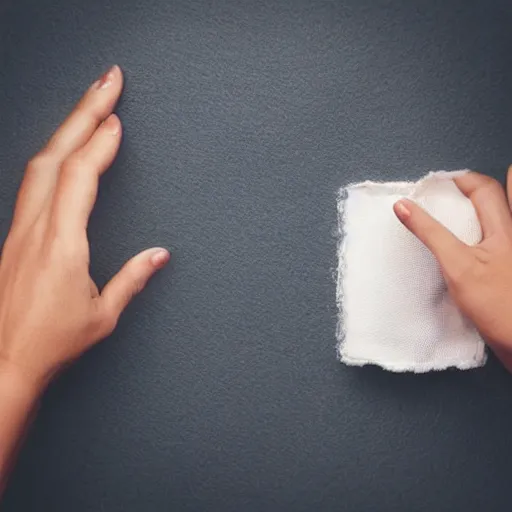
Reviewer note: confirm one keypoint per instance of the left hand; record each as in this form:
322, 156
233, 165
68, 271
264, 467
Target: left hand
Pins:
51, 311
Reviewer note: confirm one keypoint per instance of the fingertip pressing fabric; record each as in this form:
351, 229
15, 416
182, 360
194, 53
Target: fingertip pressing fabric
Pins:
394, 307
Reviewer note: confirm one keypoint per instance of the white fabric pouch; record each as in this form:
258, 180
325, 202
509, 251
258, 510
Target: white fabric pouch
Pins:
395, 310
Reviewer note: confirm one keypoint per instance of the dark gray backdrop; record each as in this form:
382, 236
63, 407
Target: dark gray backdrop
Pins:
220, 390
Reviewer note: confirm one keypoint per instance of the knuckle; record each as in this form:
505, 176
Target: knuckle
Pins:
39, 161
90, 110
74, 164
493, 186
481, 178
482, 183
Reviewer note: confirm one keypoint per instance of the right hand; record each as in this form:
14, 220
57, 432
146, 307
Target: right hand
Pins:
479, 278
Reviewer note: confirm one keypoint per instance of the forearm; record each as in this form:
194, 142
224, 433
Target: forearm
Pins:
18, 401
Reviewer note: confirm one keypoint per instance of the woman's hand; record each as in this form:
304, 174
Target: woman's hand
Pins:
50, 309
479, 278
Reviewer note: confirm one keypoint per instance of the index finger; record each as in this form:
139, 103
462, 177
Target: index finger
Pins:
94, 107
448, 250
42, 172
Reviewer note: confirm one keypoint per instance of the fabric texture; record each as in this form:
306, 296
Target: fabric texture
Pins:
395, 310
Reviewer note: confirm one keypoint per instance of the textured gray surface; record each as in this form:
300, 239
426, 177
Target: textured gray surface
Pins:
220, 390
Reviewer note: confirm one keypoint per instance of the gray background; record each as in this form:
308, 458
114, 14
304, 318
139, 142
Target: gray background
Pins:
220, 390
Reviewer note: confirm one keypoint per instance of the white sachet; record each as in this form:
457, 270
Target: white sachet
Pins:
395, 310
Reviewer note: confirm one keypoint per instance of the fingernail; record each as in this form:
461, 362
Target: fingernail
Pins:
107, 79
402, 211
160, 257
112, 124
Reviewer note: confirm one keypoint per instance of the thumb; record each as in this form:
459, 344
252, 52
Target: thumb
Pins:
130, 280
442, 243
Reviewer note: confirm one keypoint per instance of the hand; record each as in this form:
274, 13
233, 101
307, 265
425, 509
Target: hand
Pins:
50, 309
479, 278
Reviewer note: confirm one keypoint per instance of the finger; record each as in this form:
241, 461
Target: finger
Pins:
509, 186
42, 171
444, 245
128, 282
77, 187
488, 198
95, 106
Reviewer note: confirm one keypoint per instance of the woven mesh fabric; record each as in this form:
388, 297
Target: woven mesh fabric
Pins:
395, 310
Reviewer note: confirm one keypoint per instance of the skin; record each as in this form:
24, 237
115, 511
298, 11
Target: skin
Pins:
479, 278
51, 311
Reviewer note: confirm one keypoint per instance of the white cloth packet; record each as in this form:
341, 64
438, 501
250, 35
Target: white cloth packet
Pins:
395, 311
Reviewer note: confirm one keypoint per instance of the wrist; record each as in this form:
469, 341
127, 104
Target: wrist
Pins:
19, 398
18, 385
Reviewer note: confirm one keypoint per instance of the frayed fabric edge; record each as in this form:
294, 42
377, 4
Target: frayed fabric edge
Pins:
406, 367
401, 187
340, 326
